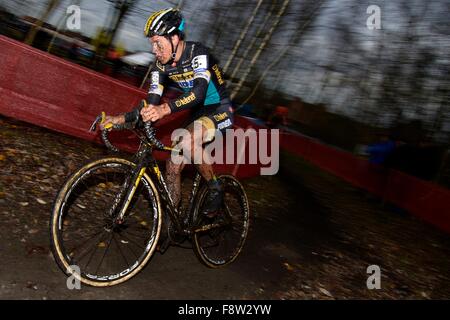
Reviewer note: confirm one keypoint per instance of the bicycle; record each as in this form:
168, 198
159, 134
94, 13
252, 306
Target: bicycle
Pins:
114, 203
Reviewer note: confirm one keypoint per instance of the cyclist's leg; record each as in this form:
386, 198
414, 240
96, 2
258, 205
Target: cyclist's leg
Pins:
218, 120
191, 142
174, 167
200, 132
173, 180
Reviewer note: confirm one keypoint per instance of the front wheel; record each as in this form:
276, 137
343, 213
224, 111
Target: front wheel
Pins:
85, 240
221, 245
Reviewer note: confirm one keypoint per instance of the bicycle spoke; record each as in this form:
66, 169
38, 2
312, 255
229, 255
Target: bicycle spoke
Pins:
81, 245
77, 218
88, 238
219, 246
136, 235
120, 250
96, 243
92, 255
91, 235
135, 243
104, 254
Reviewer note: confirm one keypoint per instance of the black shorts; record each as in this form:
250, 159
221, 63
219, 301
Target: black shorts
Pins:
215, 117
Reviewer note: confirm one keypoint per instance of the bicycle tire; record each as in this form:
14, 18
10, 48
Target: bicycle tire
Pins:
62, 208
242, 220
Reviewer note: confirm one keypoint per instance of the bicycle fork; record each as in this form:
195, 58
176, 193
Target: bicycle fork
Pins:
135, 179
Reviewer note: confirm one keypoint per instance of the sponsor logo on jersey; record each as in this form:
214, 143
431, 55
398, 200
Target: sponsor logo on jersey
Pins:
218, 74
184, 80
220, 116
156, 89
182, 77
205, 75
155, 78
224, 124
200, 63
185, 100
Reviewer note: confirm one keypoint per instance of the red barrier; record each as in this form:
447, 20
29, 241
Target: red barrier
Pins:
424, 199
50, 92
45, 90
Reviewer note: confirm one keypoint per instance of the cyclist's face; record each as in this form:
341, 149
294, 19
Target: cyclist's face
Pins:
161, 48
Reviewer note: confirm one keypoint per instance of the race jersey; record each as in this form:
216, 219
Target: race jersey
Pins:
197, 73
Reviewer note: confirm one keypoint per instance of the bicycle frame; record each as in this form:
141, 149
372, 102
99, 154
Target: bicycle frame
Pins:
146, 163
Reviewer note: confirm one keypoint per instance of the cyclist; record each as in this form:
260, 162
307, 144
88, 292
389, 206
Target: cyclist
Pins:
191, 67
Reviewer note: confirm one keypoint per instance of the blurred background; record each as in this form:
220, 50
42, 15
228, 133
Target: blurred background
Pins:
313, 67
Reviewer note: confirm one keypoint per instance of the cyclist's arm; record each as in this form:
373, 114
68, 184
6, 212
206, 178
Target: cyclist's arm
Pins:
200, 65
153, 97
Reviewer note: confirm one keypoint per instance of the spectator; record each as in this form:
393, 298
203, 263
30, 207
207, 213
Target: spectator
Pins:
279, 116
379, 151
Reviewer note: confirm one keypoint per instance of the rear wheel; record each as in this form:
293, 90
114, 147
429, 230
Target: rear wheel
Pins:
221, 245
83, 232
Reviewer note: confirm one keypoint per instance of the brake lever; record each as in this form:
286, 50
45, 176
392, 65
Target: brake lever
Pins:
100, 119
97, 120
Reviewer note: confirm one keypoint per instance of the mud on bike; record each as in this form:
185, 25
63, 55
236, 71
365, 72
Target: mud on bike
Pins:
111, 214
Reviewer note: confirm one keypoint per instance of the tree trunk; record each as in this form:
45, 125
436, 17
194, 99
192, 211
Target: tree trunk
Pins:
242, 36
34, 30
261, 47
58, 27
252, 43
297, 35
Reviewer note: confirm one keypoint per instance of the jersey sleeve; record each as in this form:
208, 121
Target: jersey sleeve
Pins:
157, 81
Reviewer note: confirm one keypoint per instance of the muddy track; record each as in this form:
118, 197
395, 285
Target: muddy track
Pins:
312, 237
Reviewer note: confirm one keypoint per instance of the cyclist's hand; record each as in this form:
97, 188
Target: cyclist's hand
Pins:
120, 119
154, 113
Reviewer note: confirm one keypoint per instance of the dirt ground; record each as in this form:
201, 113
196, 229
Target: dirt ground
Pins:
313, 236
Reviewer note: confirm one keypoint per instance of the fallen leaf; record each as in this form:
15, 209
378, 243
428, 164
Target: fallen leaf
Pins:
325, 292
425, 295
31, 285
288, 266
102, 245
41, 201
37, 250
